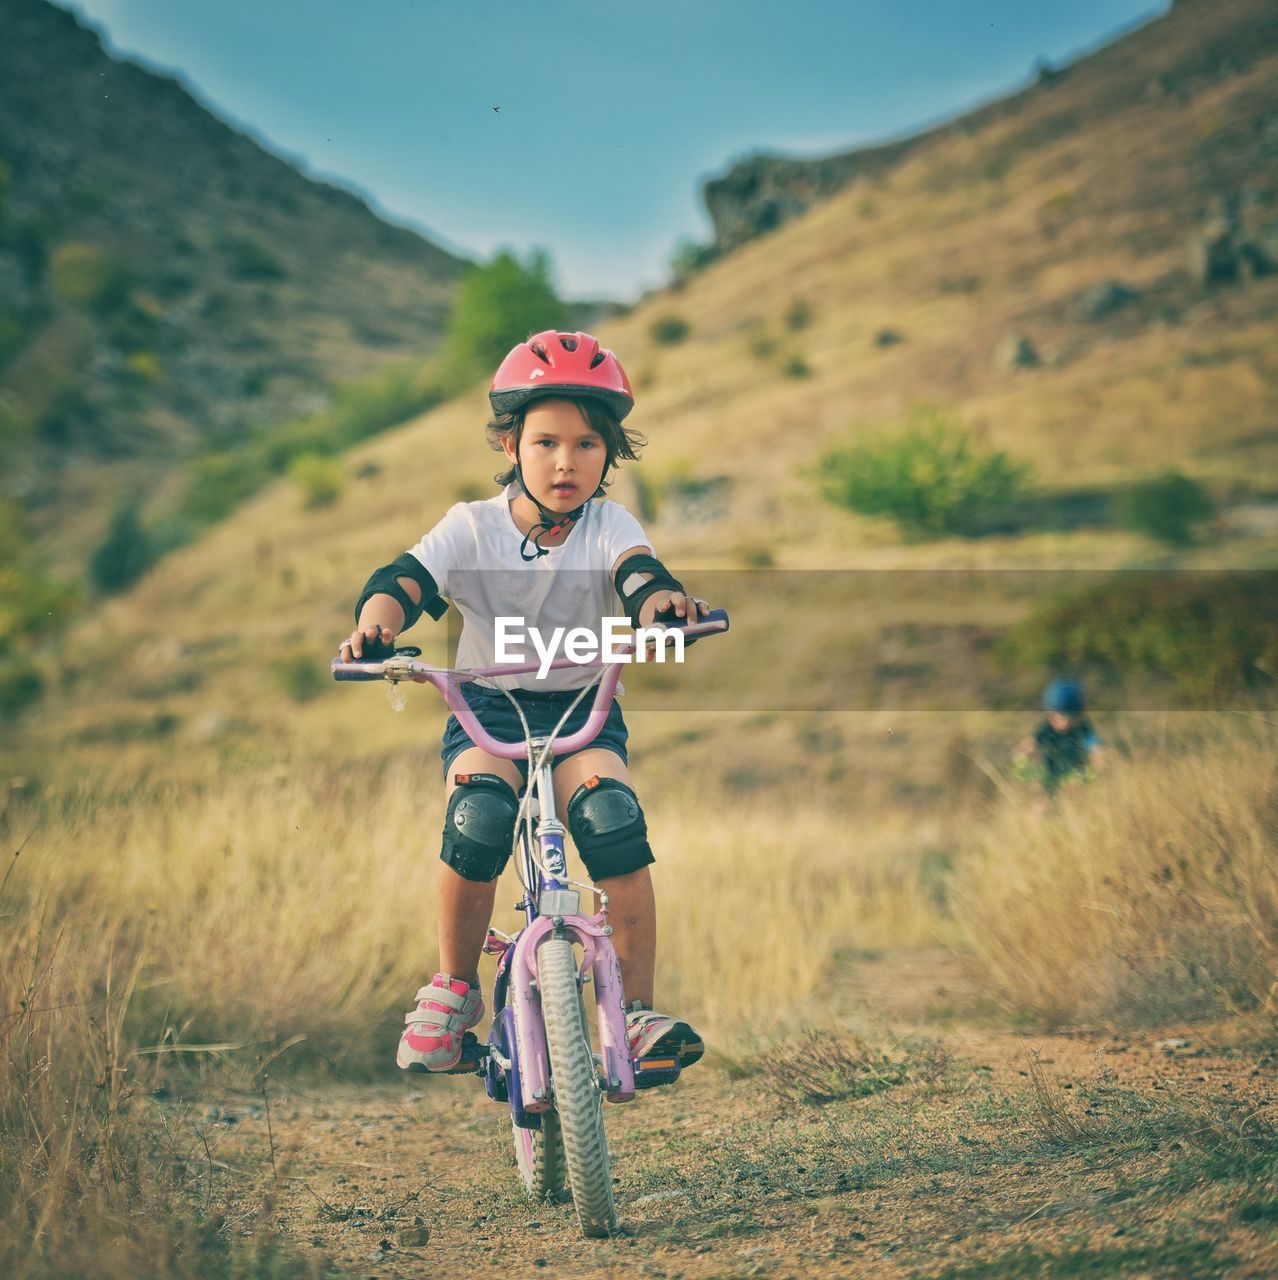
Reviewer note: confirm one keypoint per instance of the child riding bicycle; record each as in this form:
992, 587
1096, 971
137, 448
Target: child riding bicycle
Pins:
551, 550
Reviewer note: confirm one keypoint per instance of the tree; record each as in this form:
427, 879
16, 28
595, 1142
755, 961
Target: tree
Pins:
498, 305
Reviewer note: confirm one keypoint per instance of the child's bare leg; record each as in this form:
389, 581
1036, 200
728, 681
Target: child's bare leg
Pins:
465, 907
631, 903
633, 916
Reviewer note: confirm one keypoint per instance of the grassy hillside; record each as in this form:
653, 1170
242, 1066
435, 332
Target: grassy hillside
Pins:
988, 233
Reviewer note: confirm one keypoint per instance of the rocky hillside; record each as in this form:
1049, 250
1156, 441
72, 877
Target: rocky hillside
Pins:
163, 278
1190, 53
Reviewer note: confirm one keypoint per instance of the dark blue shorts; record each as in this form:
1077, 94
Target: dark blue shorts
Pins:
543, 709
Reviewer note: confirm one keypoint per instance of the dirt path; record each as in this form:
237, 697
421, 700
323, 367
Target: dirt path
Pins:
1115, 1156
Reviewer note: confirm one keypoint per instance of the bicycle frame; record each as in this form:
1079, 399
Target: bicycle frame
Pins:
516, 1066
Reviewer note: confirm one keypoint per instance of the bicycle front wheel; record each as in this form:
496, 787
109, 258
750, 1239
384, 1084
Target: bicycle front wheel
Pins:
576, 1085
540, 1156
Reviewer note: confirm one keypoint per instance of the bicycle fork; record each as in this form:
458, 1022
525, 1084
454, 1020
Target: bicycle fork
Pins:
555, 913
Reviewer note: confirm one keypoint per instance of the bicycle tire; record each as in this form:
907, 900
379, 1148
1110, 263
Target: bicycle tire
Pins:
539, 1153
575, 1080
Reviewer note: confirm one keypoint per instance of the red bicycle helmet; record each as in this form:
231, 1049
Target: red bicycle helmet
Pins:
564, 364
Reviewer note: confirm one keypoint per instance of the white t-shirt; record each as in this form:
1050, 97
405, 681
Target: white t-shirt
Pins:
473, 555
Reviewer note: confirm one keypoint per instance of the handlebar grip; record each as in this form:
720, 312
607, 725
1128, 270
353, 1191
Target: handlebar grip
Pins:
354, 675
678, 624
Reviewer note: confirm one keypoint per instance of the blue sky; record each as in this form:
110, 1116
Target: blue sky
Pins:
612, 113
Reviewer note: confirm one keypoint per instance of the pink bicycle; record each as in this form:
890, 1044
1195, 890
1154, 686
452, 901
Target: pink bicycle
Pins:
539, 1059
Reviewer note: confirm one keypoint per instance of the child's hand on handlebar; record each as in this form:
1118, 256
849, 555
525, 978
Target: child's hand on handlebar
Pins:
674, 609
369, 643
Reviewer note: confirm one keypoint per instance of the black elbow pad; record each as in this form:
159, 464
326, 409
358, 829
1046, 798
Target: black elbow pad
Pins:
634, 590
385, 582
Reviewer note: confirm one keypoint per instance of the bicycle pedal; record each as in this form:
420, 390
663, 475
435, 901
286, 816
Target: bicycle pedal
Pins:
656, 1070
473, 1056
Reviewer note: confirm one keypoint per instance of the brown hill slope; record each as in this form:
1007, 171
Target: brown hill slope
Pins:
903, 287
162, 276
1168, 58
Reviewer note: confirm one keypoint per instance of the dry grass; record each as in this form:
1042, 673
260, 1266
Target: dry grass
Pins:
290, 913
823, 1066
94, 1178
324, 880
152, 938
1151, 895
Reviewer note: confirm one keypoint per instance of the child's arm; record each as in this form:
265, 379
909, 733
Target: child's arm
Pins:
647, 588
394, 597
381, 619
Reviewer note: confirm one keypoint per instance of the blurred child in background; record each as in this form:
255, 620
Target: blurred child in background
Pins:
1065, 747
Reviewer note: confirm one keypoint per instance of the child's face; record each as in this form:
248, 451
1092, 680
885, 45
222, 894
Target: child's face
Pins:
563, 457
1059, 720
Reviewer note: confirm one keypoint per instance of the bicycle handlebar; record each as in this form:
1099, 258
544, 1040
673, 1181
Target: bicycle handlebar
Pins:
448, 683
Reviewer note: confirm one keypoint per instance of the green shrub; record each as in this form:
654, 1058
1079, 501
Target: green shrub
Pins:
277, 450
168, 534
320, 479
88, 276
756, 555
1208, 634
691, 256
124, 555
250, 259
796, 367
144, 367
32, 606
20, 685
30, 241
669, 331
385, 399
930, 478
219, 483
135, 321
496, 306
1166, 508
360, 409
798, 316
13, 336
680, 480
647, 499
255, 380
300, 675
222, 307
87, 199
17, 421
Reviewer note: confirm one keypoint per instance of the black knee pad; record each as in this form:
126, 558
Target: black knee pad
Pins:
480, 827
608, 828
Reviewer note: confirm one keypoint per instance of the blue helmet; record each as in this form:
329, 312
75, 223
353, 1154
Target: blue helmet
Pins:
1064, 696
